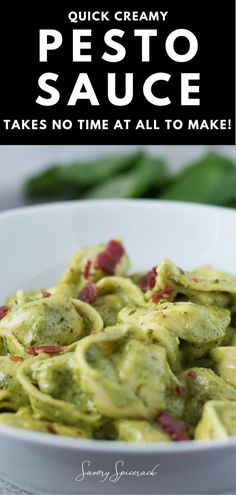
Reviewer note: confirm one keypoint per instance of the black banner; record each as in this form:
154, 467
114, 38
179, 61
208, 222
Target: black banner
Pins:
71, 74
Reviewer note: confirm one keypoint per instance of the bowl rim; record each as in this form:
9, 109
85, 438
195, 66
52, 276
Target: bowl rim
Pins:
117, 447
83, 203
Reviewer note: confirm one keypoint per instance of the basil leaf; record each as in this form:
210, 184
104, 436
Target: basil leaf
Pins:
212, 179
149, 174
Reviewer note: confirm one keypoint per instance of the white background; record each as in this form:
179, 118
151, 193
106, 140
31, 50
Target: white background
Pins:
19, 162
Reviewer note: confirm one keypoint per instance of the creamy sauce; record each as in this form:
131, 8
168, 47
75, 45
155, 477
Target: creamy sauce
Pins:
107, 355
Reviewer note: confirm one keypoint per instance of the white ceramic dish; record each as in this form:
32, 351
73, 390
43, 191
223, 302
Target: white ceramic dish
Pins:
35, 244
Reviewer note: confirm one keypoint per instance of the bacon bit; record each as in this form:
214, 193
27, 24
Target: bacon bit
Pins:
89, 293
45, 293
3, 311
16, 358
115, 250
109, 257
143, 282
105, 263
147, 281
162, 294
177, 430
155, 298
192, 374
152, 278
180, 391
51, 429
196, 279
87, 269
48, 349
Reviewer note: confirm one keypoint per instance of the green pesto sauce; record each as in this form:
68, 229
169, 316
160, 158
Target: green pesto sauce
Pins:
104, 356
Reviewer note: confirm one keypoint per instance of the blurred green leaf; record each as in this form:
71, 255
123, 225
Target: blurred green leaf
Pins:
87, 174
227, 192
149, 173
212, 179
47, 184
70, 180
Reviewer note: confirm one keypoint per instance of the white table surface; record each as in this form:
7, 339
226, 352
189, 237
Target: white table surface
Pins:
7, 488
19, 162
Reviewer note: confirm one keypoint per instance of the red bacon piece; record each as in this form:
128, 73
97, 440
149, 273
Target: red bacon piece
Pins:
177, 430
180, 391
115, 250
147, 281
105, 263
16, 358
108, 259
192, 374
162, 294
48, 349
143, 282
45, 293
3, 311
51, 429
152, 278
88, 293
87, 269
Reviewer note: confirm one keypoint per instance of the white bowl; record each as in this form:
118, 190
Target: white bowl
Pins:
35, 245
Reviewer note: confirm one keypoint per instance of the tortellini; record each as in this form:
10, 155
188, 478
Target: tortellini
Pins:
187, 283
27, 420
54, 320
145, 318
168, 322
55, 392
92, 264
202, 385
108, 355
12, 395
113, 293
218, 421
209, 323
133, 430
224, 359
115, 369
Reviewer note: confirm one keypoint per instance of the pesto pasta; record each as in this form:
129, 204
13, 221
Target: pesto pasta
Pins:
109, 355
